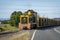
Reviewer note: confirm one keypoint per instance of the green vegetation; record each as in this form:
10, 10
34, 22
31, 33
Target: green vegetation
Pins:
15, 18
6, 27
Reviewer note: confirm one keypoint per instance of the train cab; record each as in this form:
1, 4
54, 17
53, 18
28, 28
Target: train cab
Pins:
24, 22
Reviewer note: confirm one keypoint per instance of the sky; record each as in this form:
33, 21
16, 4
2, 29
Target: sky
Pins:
44, 8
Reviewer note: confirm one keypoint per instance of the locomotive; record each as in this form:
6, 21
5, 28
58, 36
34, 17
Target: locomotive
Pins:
31, 20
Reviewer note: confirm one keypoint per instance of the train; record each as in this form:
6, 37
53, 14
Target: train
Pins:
30, 20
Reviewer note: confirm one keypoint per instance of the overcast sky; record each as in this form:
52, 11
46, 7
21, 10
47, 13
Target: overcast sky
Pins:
46, 8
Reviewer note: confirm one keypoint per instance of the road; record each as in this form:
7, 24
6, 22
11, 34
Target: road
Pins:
52, 33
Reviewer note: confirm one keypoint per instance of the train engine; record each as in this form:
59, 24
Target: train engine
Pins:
28, 20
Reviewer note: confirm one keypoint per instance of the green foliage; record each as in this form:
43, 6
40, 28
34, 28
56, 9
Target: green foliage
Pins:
6, 27
15, 18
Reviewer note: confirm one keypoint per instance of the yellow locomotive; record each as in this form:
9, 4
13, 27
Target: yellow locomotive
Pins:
28, 20
31, 20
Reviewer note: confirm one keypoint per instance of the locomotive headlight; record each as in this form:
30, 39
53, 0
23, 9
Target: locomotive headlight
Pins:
29, 13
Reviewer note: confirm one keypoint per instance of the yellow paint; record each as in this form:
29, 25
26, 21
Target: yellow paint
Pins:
29, 13
21, 19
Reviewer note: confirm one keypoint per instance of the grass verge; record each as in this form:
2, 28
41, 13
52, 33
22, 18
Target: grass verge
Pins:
6, 27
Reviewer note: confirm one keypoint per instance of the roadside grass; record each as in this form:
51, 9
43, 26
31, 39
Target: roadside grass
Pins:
23, 35
7, 27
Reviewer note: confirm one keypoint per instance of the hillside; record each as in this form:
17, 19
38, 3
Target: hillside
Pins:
58, 19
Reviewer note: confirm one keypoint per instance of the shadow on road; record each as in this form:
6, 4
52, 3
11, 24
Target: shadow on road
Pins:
46, 28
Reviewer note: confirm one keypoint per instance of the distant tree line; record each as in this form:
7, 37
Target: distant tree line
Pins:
4, 21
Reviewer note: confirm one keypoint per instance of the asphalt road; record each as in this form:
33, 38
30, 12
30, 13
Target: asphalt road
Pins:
51, 33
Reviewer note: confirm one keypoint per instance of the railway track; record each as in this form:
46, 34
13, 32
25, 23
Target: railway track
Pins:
8, 32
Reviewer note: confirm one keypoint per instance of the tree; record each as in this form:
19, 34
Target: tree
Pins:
15, 18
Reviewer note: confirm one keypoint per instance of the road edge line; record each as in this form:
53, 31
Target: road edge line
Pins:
33, 35
56, 30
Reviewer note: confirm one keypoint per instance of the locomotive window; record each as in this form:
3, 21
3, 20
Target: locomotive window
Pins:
32, 19
24, 20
